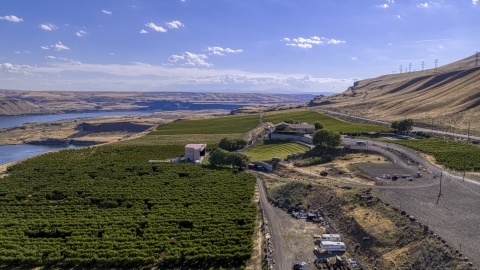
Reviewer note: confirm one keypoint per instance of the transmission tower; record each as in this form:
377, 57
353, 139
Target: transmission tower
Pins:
410, 67
423, 65
436, 64
401, 68
476, 59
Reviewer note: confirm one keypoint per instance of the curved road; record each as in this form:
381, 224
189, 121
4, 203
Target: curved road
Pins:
414, 128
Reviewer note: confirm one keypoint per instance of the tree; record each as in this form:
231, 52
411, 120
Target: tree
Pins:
404, 125
327, 139
318, 126
232, 144
221, 157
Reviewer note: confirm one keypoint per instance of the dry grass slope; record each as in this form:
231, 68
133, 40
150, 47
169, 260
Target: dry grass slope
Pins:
451, 96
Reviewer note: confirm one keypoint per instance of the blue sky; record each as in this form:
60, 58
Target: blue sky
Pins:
283, 46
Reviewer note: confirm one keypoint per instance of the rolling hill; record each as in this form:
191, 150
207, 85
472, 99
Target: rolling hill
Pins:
449, 97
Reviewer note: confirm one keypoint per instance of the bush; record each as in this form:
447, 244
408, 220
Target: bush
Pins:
313, 161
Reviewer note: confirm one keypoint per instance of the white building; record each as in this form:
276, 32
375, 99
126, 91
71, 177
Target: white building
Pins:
331, 246
331, 237
195, 152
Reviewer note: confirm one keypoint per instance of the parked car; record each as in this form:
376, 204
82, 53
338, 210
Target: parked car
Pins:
353, 263
323, 173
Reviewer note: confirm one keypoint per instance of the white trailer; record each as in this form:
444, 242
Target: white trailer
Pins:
331, 246
331, 237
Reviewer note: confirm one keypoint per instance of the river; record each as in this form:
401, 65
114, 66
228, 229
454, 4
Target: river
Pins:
12, 153
12, 121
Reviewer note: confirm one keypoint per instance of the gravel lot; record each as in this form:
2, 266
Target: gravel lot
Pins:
454, 216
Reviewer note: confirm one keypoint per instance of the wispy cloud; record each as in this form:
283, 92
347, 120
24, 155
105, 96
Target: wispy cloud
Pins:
174, 24
354, 58
107, 12
11, 18
221, 51
391, 1
143, 31
424, 5
384, 6
191, 59
426, 40
57, 47
81, 33
155, 27
474, 2
307, 43
70, 61
48, 26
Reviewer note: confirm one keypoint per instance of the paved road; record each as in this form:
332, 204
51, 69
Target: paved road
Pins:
455, 215
275, 224
414, 128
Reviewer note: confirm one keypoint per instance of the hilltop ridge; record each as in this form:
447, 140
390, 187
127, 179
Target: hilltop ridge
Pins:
450, 96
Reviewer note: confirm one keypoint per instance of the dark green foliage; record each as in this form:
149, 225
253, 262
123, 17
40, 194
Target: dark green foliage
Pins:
289, 121
313, 161
232, 144
327, 139
221, 157
108, 206
405, 125
219, 125
318, 126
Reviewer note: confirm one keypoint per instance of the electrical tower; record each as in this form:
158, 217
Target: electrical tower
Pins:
476, 59
423, 65
410, 67
436, 64
401, 68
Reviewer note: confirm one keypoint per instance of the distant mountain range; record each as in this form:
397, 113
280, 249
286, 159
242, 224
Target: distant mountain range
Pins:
448, 96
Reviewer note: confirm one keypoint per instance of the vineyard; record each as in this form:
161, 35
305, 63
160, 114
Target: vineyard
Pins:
107, 206
268, 149
219, 125
329, 123
448, 153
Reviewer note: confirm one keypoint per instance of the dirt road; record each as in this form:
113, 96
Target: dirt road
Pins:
454, 215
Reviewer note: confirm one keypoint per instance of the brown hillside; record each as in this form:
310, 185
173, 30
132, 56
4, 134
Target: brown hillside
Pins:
450, 97
12, 106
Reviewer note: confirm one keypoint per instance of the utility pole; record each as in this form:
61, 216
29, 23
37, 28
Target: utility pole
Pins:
436, 64
464, 169
468, 133
423, 65
410, 67
440, 190
476, 59
401, 68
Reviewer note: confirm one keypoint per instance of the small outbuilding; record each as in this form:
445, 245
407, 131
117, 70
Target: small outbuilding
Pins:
195, 152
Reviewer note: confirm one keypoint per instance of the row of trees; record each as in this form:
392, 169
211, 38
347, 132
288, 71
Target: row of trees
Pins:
405, 125
232, 144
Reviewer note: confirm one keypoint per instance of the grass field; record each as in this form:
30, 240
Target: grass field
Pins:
220, 125
268, 149
329, 123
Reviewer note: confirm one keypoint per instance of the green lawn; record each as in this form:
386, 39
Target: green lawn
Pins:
268, 149
219, 125
329, 123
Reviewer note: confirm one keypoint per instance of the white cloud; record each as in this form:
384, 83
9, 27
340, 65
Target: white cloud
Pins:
57, 47
474, 2
305, 45
220, 50
354, 58
48, 26
17, 52
50, 57
45, 48
424, 5
441, 47
174, 24
107, 12
81, 33
11, 18
385, 6
308, 43
191, 59
156, 28
390, 44
390, 1
143, 31
399, 17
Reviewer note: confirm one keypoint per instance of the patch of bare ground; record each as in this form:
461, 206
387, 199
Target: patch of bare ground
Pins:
375, 232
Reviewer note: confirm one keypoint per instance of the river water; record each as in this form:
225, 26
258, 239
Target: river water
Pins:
12, 153
12, 121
